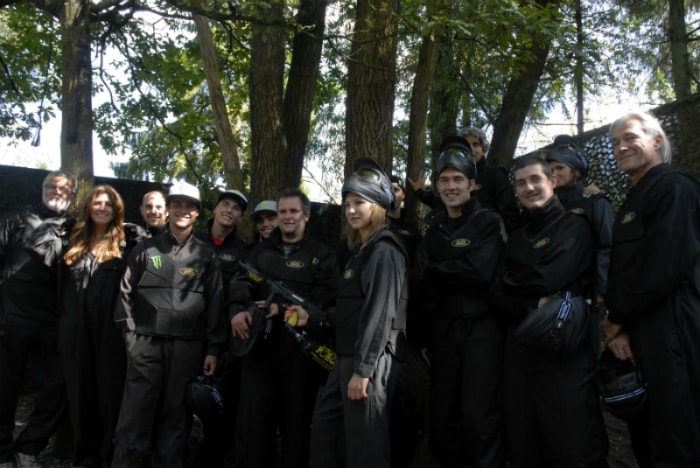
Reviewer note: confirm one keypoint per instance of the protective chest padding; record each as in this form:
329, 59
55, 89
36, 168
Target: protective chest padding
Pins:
351, 296
170, 298
298, 270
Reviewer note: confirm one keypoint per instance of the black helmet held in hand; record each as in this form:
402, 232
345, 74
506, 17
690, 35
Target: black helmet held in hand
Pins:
370, 182
622, 389
204, 398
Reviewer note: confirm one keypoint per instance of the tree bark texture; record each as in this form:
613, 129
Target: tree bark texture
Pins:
76, 124
224, 131
302, 82
518, 99
418, 118
678, 38
371, 80
268, 143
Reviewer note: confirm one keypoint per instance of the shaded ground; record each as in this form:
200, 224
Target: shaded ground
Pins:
620, 455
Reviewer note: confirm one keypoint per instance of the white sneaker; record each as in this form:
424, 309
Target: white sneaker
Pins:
25, 460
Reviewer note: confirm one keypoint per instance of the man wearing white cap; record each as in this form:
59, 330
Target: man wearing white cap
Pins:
171, 313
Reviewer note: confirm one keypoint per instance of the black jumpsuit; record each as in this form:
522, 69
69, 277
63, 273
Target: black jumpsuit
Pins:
171, 311
653, 292
553, 418
369, 321
459, 258
32, 240
279, 383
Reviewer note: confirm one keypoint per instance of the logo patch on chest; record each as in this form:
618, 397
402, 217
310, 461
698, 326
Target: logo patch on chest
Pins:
460, 243
188, 271
157, 262
541, 243
225, 257
578, 211
295, 264
348, 274
628, 217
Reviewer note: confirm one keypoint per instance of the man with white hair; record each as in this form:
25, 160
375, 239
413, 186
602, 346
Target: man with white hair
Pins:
653, 292
32, 241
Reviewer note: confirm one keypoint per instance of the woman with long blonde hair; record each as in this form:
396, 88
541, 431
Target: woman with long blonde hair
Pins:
91, 346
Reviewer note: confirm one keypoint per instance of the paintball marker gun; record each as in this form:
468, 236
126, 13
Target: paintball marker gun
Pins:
318, 352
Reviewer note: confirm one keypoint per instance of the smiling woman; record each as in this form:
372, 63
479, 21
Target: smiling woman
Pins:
89, 341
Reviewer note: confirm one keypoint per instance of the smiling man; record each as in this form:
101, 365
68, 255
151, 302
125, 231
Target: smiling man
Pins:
153, 212
551, 408
279, 383
653, 294
170, 310
222, 235
458, 259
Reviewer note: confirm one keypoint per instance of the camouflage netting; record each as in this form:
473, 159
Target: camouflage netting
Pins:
680, 120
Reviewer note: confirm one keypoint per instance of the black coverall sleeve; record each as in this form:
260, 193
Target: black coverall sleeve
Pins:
123, 310
382, 282
216, 330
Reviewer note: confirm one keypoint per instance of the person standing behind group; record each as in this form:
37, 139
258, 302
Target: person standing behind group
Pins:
222, 235
570, 167
153, 212
653, 292
279, 383
170, 311
492, 187
264, 216
458, 260
32, 242
91, 347
351, 421
553, 417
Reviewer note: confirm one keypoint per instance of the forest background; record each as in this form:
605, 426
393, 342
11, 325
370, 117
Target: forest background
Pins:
248, 93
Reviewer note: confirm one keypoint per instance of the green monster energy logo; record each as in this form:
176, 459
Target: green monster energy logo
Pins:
156, 262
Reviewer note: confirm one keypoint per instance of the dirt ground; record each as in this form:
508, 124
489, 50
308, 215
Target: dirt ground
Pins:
620, 455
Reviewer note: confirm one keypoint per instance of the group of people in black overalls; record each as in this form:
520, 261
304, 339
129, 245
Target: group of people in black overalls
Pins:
113, 321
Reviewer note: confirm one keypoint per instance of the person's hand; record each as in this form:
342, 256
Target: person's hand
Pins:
296, 316
543, 300
240, 324
419, 183
357, 387
209, 365
621, 347
609, 330
272, 310
591, 190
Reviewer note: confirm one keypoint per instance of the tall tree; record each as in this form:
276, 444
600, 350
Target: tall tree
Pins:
76, 126
224, 131
528, 69
371, 83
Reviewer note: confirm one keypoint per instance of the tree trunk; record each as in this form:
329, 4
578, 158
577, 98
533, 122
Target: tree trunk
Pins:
268, 143
678, 37
371, 80
518, 99
418, 119
224, 132
302, 81
444, 99
76, 123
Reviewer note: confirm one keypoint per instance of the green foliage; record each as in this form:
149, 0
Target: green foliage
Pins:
29, 70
